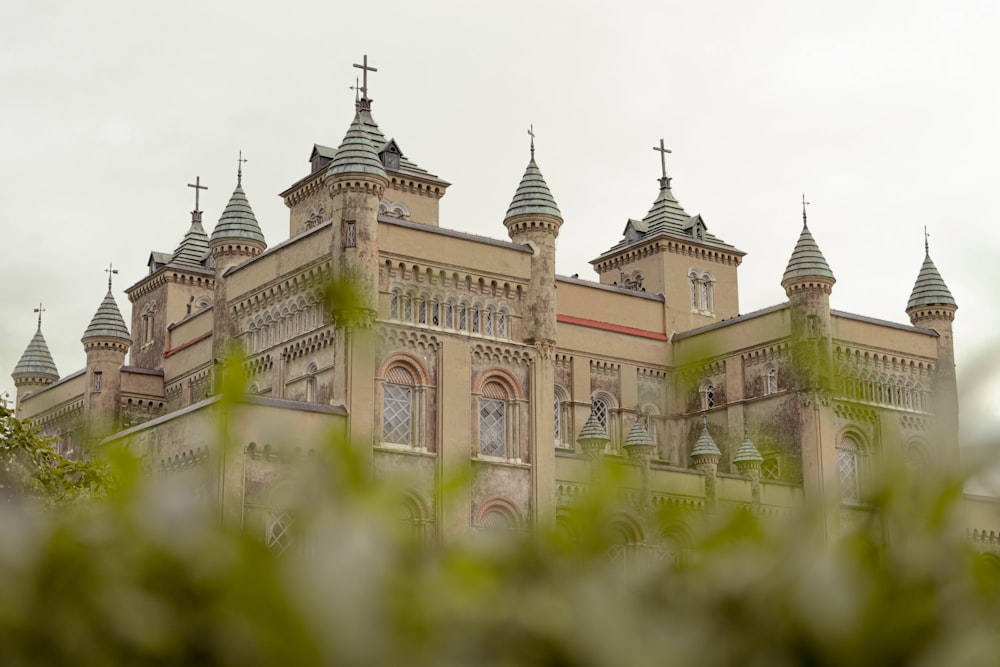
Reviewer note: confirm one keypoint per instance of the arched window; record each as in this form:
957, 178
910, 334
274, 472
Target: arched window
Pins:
462, 315
772, 381
449, 315
488, 321
557, 420
311, 383
422, 310
708, 293
394, 306
848, 457
603, 405
436, 312
502, 324
397, 407
407, 308
695, 289
475, 319
498, 515
563, 426
708, 395
493, 420
599, 406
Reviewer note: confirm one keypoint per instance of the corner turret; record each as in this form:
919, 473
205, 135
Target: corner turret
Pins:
533, 219
931, 306
35, 369
236, 238
106, 342
808, 282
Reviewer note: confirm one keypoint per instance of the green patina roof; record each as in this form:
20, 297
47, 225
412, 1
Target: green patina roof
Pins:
930, 289
356, 153
667, 216
532, 196
705, 446
593, 430
747, 451
193, 248
638, 436
107, 321
807, 260
36, 360
238, 220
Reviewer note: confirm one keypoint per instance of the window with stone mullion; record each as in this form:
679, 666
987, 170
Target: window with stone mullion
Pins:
397, 414
492, 427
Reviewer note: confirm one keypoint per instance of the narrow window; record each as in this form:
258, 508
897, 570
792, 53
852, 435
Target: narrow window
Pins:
449, 315
394, 306
98, 377
350, 234
436, 314
600, 409
488, 322
422, 311
462, 317
407, 308
850, 474
492, 427
475, 319
772, 381
502, 324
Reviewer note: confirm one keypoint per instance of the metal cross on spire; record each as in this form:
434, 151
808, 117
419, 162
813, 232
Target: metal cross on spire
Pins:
804, 204
364, 75
927, 243
111, 270
197, 186
239, 169
663, 150
39, 310
357, 90
531, 133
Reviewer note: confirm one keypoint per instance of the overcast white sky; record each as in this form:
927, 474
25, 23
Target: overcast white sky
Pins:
885, 114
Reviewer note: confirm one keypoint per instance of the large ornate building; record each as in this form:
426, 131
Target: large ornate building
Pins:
469, 357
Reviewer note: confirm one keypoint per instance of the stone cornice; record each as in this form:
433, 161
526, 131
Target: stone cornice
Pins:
665, 244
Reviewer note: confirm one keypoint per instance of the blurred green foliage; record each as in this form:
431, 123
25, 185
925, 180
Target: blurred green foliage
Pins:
147, 575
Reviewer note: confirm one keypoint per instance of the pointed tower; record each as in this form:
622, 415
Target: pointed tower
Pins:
808, 282
106, 342
931, 306
35, 369
706, 454
236, 238
533, 219
672, 253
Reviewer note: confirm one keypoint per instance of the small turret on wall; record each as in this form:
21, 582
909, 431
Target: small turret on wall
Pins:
35, 369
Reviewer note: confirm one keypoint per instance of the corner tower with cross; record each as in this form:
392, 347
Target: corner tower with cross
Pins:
672, 253
35, 369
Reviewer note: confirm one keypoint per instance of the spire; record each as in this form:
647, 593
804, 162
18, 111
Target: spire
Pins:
36, 360
705, 446
638, 435
107, 321
930, 288
193, 248
807, 259
238, 220
747, 452
356, 153
532, 196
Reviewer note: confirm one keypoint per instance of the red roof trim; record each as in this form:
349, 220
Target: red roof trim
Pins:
608, 326
187, 344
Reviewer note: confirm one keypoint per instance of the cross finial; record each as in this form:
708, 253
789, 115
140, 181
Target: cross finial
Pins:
364, 75
197, 186
927, 243
531, 133
663, 150
111, 270
357, 90
39, 310
804, 204
239, 170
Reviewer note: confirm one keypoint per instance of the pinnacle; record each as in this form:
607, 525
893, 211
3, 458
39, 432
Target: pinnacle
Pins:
238, 220
356, 153
532, 196
930, 288
807, 260
107, 322
36, 360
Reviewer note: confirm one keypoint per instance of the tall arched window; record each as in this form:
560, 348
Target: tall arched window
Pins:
772, 381
562, 426
708, 395
695, 288
848, 458
397, 407
394, 306
493, 420
311, 382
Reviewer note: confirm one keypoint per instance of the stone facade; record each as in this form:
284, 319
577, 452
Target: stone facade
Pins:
466, 357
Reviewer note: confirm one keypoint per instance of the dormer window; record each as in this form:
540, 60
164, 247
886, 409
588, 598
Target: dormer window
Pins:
391, 155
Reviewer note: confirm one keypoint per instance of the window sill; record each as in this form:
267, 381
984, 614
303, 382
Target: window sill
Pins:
498, 460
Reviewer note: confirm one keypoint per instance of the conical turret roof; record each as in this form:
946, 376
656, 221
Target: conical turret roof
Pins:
638, 435
747, 451
238, 220
930, 289
107, 322
532, 196
356, 153
807, 260
593, 430
36, 360
705, 445
193, 248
